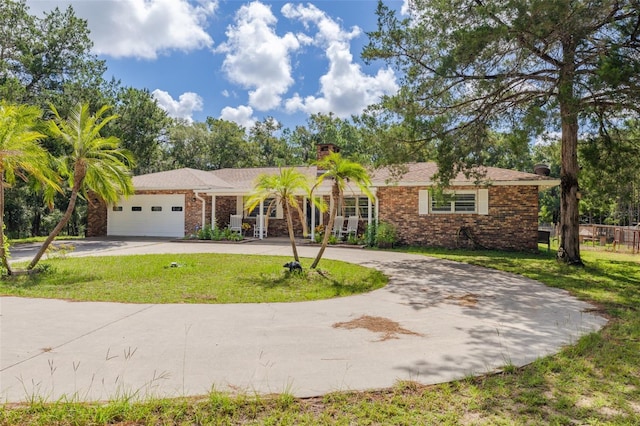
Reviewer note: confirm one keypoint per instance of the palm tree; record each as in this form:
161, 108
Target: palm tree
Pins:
284, 189
20, 155
94, 163
341, 171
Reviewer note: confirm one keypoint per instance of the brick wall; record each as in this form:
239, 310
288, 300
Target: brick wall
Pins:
225, 207
512, 222
96, 216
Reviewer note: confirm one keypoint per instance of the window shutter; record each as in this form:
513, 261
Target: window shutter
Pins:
423, 201
483, 201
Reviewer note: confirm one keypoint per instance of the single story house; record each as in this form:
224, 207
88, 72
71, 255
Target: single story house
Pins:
500, 213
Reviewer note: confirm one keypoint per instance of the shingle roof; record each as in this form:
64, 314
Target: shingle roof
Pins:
179, 179
243, 179
422, 173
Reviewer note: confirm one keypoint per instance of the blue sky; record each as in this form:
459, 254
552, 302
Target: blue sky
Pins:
240, 60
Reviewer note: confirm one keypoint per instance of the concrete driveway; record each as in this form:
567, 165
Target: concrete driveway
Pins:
436, 321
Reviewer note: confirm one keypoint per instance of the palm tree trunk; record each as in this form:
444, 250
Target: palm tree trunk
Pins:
335, 193
292, 238
303, 220
63, 221
3, 252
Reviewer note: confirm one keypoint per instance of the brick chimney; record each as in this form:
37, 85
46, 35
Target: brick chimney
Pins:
324, 149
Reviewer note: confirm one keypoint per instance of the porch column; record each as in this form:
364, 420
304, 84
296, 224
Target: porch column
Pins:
260, 220
213, 211
313, 220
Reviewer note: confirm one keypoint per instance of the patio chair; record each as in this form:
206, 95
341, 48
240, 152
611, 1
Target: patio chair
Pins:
352, 226
235, 223
256, 227
338, 226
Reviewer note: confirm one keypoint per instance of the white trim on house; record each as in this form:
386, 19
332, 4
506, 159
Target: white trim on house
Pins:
481, 202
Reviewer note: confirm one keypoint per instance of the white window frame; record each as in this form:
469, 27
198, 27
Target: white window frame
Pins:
360, 205
453, 202
277, 213
481, 202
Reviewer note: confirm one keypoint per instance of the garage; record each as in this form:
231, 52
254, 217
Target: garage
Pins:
157, 215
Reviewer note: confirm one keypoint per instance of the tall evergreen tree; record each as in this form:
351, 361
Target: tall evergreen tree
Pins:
468, 65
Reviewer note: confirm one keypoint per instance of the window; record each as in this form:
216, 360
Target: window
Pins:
465, 203
356, 206
156, 208
363, 207
176, 208
349, 206
117, 208
459, 202
255, 212
136, 209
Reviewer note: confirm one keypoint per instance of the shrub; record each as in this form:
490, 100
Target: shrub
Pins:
217, 234
318, 234
205, 233
386, 235
370, 234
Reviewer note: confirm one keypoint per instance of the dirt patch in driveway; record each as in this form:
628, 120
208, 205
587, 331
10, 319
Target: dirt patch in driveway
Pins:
468, 300
388, 328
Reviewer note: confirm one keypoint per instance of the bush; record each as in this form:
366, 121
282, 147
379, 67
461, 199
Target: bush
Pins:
205, 233
217, 234
370, 234
386, 235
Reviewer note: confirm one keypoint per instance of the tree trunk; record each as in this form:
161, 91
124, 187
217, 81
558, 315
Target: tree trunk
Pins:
79, 172
569, 250
287, 212
335, 193
3, 252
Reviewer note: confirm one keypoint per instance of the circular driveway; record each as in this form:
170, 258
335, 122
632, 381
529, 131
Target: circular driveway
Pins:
435, 321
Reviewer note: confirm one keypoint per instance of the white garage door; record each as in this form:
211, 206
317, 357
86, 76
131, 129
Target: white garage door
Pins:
147, 216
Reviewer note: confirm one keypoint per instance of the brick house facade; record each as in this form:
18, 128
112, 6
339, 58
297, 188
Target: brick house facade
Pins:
511, 222
501, 213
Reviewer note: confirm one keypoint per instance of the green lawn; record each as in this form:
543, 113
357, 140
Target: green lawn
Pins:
196, 278
596, 381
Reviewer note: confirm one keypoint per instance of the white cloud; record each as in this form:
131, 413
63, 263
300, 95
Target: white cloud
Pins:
344, 89
257, 58
141, 28
184, 107
243, 115
407, 5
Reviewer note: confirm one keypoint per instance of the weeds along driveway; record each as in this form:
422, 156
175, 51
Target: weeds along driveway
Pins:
435, 321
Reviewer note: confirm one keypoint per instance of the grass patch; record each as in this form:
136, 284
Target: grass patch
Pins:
14, 241
190, 278
595, 381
